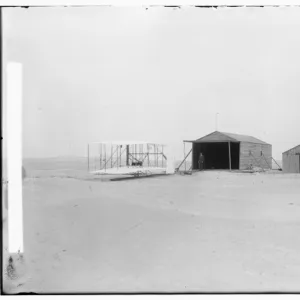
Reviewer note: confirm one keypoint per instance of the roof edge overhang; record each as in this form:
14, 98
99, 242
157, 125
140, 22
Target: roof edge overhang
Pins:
210, 142
226, 137
290, 149
226, 141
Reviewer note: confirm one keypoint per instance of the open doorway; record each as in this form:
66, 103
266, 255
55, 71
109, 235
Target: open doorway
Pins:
217, 155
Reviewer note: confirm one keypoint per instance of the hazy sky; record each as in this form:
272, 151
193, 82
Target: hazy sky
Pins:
161, 74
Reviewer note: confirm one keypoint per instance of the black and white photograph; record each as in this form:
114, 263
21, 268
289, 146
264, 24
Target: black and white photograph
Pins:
150, 149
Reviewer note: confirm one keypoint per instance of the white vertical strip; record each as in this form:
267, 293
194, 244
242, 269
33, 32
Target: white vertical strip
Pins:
14, 157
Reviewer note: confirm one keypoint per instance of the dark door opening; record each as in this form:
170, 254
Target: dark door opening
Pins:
217, 155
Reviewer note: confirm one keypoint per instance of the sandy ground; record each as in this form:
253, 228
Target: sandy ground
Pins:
208, 232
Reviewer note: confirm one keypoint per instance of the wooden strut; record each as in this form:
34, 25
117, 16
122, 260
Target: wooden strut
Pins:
116, 161
100, 146
264, 157
280, 168
110, 158
138, 160
119, 152
162, 157
256, 161
119, 163
117, 158
111, 152
259, 162
143, 153
184, 160
148, 155
156, 156
266, 161
121, 155
105, 156
127, 155
229, 151
184, 155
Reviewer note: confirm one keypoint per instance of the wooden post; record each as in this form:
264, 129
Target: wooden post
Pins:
155, 160
270, 167
277, 163
184, 156
257, 163
192, 158
99, 157
105, 156
184, 159
111, 155
229, 155
157, 157
162, 156
120, 157
148, 155
127, 155
117, 157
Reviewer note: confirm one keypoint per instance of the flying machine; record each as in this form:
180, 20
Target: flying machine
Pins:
127, 158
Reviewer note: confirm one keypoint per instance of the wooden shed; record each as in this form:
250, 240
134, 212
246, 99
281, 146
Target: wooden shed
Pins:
224, 150
291, 160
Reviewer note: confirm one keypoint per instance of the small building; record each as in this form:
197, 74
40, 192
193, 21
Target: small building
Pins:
223, 150
291, 160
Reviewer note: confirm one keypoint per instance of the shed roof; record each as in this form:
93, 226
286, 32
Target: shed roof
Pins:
296, 148
218, 137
